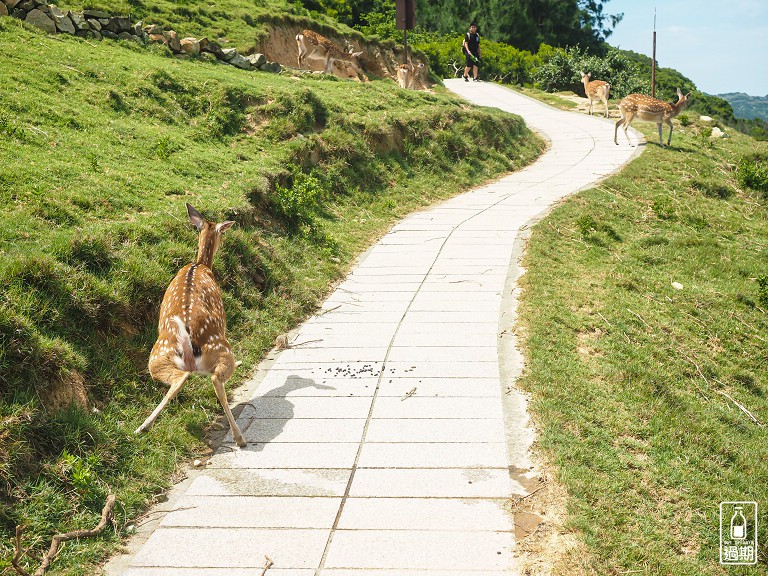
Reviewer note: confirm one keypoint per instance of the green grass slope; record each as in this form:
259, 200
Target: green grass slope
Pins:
634, 381
102, 144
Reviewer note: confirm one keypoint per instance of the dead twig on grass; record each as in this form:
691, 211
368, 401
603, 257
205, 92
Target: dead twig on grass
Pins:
702, 376
741, 407
106, 514
268, 565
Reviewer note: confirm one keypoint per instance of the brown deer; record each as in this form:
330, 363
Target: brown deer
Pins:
314, 46
406, 75
651, 110
596, 90
192, 327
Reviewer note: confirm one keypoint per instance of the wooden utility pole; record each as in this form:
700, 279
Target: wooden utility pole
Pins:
653, 61
405, 16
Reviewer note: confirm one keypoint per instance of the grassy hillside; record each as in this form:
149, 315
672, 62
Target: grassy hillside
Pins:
102, 143
645, 311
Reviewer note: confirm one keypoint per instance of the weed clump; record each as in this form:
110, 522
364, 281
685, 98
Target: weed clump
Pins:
762, 290
752, 172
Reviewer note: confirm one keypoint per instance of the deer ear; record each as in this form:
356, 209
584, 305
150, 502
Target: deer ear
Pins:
224, 226
195, 218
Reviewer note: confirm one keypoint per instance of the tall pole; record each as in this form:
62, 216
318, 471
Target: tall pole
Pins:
653, 61
405, 45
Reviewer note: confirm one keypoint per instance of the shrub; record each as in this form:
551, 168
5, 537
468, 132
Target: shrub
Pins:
762, 290
560, 69
752, 172
298, 203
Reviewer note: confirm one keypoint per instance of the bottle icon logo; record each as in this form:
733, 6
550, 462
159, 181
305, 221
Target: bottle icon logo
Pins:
738, 524
738, 533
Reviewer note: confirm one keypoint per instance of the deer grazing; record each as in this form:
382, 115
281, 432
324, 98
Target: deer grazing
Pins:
192, 327
406, 75
314, 46
651, 110
596, 90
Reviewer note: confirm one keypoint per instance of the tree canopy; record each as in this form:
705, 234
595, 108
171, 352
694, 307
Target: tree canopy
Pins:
524, 24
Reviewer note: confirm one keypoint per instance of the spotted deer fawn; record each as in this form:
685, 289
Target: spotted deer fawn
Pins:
192, 327
650, 109
406, 75
596, 90
314, 46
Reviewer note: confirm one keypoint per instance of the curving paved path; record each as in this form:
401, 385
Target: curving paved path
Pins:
389, 438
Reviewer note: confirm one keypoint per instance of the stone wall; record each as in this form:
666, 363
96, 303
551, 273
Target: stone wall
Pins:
96, 25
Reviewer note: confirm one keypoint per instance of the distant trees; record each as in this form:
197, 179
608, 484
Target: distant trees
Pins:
524, 24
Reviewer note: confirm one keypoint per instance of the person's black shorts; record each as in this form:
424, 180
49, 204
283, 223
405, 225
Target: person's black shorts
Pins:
471, 62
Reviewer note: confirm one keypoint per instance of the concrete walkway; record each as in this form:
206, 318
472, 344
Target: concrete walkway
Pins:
389, 438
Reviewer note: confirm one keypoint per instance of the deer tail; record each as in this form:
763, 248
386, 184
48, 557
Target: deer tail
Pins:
185, 359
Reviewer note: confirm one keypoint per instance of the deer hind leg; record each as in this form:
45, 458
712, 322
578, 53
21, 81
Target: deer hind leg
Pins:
176, 379
627, 121
619, 122
221, 373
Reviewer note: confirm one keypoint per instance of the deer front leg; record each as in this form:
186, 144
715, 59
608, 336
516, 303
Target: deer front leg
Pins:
669, 140
176, 382
223, 371
661, 135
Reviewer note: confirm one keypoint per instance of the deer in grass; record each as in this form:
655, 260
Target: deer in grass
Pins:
406, 75
314, 46
650, 109
596, 90
192, 327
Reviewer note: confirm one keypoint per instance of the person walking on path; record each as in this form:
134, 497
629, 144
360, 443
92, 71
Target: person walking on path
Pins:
471, 50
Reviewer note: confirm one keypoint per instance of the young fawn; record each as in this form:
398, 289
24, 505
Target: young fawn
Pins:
652, 110
192, 327
596, 90
406, 75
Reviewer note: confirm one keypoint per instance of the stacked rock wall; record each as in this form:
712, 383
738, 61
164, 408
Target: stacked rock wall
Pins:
96, 25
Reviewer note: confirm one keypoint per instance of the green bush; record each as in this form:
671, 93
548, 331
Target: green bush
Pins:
500, 62
762, 290
298, 203
560, 70
752, 172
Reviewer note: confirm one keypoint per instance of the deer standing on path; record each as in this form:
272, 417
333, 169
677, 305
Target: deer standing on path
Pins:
192, 327
652, 110
314, 46
596, 90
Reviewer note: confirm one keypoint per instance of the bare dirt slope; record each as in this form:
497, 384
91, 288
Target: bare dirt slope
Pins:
280, 46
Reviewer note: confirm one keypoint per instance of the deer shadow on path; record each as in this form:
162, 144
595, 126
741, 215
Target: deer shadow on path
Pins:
264, 418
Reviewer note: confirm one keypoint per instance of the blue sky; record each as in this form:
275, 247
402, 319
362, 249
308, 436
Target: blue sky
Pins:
721, 45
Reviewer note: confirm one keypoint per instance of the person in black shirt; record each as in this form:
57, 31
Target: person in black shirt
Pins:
472, 51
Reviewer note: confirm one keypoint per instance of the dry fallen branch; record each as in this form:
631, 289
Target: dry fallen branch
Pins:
268, 565
106, 514
741, 407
